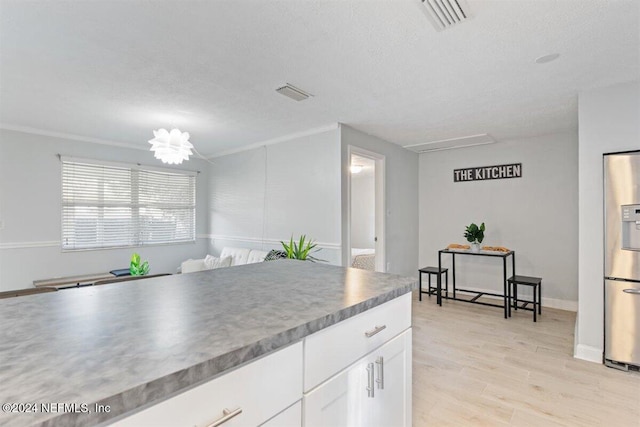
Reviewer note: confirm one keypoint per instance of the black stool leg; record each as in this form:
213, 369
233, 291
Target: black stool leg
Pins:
535, 301
509, 285
540, 298
515, 296
420, 285
430, 291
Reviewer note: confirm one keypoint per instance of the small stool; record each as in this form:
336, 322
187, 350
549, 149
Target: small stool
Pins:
535, 283
433, 289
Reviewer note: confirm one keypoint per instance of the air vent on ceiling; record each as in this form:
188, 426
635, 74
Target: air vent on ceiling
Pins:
445, 13
293, 92
450, 144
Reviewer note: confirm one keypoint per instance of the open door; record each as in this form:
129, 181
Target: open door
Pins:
366, 210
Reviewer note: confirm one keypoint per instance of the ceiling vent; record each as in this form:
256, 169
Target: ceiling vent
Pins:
450, 144
293, 92
445, 13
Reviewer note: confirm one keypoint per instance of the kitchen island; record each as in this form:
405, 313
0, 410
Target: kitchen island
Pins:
108, 354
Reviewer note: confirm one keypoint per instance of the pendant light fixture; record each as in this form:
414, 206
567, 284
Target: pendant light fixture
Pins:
171, 147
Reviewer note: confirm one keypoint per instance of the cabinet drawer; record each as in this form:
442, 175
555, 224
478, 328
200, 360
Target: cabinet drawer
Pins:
260, 389
290, 417
330, 350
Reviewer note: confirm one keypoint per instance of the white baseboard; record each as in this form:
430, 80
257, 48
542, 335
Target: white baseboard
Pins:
588, 353
559, 304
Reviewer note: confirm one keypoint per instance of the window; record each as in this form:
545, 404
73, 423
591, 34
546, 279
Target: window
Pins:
107, 205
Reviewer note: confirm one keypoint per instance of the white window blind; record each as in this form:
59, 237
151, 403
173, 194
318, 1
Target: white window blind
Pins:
109, 205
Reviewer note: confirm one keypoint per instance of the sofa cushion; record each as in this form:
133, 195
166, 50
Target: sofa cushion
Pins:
256, 256
191, 265
238, 256
211, 262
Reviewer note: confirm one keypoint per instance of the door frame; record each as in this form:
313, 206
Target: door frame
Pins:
380, 206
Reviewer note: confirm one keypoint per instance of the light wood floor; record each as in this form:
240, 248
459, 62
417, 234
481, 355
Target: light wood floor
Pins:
471, 367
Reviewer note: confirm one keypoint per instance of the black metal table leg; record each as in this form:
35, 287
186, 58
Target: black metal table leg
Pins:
453, 274
419, 285
439, 282
504, 286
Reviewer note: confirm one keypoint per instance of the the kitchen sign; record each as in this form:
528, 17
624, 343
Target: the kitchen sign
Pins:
513, 170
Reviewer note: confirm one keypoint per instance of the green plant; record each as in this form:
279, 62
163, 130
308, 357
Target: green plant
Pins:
138, 268
474, 234
301, 250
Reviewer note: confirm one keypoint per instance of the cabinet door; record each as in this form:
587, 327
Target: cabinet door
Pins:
346, 400
393, 383
342, 400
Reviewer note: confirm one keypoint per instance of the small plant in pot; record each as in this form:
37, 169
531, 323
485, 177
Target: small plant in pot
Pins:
475, 235
301, 250
137, 267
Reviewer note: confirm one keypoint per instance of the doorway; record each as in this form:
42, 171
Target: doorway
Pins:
366, 234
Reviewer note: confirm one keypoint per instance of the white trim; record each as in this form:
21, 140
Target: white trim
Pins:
277, 140
58, 243
73, 137
588, 353
323, 245
380, 206
26, 245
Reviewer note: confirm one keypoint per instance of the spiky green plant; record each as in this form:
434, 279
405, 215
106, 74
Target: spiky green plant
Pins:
301, 249
138, 268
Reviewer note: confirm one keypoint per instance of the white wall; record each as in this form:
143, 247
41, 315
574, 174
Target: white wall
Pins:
401, 187
261, 196
363, 213
535, 215
609, 121
30, 209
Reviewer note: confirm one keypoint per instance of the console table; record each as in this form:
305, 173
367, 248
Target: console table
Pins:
478, 294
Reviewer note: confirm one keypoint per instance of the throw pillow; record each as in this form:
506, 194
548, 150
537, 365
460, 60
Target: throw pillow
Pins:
275, 254
211, 262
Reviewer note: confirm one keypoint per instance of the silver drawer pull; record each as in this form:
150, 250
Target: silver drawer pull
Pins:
370, 381
226, 416
632, 291
380, 379
375, 330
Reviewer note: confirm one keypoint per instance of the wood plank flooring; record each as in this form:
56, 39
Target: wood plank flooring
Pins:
471, 367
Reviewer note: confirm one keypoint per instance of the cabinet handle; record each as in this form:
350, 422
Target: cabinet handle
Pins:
375, 330
370, 387
380, 380
226, 416
632, 291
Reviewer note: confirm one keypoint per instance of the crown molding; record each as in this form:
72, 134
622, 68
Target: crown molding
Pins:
277, 140
70, 136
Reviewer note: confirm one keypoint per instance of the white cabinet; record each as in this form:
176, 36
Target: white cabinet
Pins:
330, 350
290, 417
374, 391
354, 373
255, 392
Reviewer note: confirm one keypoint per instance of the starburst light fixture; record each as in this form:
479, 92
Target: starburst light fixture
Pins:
171, 147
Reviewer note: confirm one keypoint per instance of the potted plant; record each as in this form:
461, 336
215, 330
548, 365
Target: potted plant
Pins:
301, 249
137, 267
475, 235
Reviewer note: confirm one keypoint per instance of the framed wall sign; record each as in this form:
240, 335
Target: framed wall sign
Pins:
513, 170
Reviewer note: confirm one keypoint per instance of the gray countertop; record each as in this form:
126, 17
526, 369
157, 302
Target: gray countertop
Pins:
131, 343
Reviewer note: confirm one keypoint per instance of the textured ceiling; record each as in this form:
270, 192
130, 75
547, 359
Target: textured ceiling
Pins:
114, 71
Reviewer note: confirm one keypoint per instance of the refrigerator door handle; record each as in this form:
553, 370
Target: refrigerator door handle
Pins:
632, 291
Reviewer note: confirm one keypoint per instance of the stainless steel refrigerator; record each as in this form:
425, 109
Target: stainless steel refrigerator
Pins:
622, 260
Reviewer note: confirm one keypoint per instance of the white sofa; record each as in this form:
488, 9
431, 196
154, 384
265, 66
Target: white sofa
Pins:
239, 256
